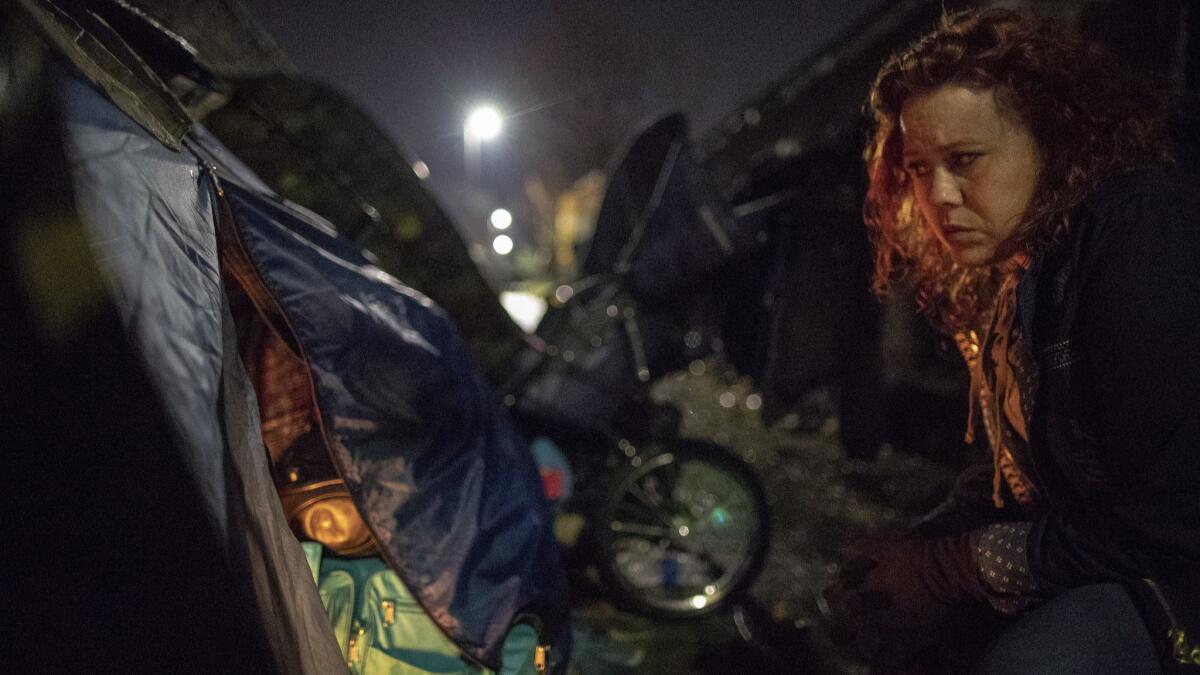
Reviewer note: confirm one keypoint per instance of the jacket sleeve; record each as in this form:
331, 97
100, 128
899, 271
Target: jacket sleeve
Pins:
1128, 420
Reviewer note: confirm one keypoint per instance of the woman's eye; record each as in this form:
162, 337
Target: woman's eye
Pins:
961, 159
917, 169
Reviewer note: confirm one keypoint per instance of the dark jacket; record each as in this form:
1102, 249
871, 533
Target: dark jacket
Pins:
1114, 316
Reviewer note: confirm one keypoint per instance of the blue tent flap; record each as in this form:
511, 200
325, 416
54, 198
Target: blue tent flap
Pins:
446, 484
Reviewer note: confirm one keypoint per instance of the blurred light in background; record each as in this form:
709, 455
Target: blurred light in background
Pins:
484, 123
421, 169
753, 402
500, 219
502, 244
526, 309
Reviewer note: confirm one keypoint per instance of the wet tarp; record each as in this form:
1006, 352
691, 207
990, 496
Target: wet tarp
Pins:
439, 473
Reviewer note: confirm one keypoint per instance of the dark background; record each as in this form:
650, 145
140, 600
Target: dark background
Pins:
572, 78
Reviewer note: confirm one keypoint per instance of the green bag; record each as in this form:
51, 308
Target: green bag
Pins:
383, 631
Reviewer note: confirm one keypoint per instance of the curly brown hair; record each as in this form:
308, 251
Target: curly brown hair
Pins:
1088, 119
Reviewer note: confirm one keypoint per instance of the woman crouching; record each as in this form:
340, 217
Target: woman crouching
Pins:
1022, 186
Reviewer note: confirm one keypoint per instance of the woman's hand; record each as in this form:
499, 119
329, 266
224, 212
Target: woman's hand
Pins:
892, 598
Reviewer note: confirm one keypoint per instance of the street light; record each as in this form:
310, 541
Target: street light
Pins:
483, 123
500, 219
502, 244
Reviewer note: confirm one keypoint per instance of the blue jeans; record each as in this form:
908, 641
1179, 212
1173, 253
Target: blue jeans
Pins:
1092, 630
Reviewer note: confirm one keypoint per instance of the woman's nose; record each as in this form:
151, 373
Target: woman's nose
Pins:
945, 190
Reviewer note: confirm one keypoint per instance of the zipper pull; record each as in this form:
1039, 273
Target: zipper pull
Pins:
389, 611
211, 170
354, 650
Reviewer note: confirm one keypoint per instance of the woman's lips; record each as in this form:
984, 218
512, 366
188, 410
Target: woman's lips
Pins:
955, 233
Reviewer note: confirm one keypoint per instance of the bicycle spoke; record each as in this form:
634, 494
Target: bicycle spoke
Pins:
639, 510
654, 507
640, 529
671, 473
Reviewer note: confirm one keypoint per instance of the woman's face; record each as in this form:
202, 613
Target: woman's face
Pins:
973, 170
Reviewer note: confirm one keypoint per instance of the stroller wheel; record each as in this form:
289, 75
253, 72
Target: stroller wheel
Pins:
683, 530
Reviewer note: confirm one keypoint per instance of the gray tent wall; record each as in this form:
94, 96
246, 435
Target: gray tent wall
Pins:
152, 539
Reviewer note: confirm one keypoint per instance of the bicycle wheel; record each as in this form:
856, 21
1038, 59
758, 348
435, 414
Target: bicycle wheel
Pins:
683, 529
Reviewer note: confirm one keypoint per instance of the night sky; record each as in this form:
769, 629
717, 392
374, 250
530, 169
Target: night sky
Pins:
417, 67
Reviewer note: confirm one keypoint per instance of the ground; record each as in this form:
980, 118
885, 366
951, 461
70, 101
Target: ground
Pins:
819, 502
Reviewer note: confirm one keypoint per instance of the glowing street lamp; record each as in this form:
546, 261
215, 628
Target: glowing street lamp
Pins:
483, 123
500, 219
